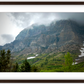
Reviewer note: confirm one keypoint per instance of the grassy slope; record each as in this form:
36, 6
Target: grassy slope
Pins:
50, 62
44, 61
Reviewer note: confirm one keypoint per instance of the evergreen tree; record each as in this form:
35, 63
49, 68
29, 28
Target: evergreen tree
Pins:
8, 64
68, 62
15, 67
25, 67
34, 69
4, 60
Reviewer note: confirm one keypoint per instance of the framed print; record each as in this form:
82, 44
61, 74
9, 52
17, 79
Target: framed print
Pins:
41, 42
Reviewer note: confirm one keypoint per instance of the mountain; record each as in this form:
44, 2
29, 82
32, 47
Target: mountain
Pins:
62, 35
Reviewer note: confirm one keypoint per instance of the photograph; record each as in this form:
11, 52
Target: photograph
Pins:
41, 41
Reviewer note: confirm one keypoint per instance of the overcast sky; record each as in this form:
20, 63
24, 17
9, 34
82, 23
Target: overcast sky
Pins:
12, 23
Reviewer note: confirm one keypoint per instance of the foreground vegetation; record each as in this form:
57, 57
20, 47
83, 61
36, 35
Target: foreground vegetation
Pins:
7, 65
52, 62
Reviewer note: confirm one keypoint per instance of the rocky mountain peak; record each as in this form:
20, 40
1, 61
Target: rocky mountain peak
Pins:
58, 36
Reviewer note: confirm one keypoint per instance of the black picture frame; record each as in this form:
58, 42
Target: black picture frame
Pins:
41, 81
41, 3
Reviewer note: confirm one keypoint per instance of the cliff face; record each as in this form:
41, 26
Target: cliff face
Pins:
58, 36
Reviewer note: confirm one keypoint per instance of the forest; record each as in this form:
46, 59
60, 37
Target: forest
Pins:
60, 62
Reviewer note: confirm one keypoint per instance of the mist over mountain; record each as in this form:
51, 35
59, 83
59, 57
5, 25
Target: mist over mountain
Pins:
12, 23
61, 35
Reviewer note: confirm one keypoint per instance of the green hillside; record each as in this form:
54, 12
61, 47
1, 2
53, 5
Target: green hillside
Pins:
51, 62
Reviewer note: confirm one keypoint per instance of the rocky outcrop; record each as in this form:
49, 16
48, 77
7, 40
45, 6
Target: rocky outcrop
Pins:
58, 36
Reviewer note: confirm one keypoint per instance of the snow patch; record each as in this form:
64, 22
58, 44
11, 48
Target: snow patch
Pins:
74, 63
33, 57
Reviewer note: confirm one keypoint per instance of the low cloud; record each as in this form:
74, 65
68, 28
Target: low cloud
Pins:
7, 38
26, 19
23, 19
